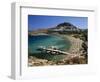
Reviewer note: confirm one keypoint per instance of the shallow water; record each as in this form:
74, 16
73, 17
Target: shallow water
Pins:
46, 40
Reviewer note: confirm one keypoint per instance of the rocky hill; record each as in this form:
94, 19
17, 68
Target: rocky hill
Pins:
64, 27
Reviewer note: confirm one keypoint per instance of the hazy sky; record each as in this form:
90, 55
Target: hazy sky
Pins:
40, 21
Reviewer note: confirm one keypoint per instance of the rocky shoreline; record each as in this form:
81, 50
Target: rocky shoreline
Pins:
75, 58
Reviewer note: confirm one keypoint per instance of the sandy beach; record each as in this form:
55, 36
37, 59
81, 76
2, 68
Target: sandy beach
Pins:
74, 50
75, 44
74, 58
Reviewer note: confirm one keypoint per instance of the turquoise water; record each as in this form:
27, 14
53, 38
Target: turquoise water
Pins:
46, 40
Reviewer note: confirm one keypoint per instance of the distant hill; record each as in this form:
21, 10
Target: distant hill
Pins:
38, 31
64, 27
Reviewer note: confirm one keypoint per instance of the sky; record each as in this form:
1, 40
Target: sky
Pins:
43, 21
